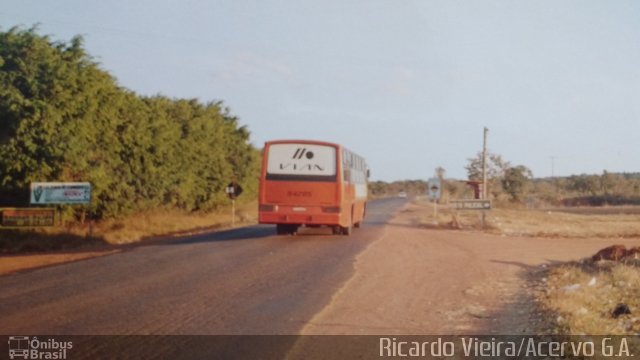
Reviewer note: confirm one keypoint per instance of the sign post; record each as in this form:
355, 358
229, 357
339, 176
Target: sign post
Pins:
233, 190
434, 192
472, 204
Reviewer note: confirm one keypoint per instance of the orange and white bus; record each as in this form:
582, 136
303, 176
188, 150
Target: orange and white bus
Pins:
312, 183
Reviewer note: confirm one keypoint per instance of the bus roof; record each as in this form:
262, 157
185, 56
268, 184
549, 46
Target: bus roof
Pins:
299, 141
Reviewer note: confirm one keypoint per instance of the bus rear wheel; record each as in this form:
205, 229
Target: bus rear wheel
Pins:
359, 223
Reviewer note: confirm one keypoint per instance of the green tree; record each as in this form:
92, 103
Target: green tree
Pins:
514, 181
54, 100
583, 184
496, 168
608, 182
62, 118
378, 188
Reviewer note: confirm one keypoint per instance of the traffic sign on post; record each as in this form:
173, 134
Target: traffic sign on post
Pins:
233, 190
434, 189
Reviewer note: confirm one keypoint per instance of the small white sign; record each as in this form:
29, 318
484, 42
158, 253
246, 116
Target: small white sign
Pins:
434, 190
60, 193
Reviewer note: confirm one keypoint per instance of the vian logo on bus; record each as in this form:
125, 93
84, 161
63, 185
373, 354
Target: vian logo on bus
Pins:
298, 155
300, 152
303, 167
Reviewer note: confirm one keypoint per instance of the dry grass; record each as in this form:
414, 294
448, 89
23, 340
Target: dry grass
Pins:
161, 223
582, 296
539, 223
122, 231
447, 219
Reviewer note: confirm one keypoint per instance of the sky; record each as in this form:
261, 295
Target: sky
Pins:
408, 84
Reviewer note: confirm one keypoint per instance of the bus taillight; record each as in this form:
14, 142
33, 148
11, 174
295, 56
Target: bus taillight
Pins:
269, 208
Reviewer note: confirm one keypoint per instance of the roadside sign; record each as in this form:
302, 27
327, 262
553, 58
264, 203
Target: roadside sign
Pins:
60, 193
27, 217
469, 204
434, 189
233, 190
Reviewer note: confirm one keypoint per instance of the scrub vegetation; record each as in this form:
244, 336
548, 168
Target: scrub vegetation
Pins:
592, 297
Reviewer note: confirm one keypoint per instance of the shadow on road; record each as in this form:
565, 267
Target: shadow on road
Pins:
19, 242
244, 233
527, 267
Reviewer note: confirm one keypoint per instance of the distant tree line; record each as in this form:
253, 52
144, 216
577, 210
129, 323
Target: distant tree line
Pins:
63, 118
385, 189
592, 189
515, 184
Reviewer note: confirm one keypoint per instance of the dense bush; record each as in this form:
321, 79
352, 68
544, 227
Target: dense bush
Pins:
62, 118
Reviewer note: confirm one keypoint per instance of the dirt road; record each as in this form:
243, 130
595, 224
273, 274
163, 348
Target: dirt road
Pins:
419, 281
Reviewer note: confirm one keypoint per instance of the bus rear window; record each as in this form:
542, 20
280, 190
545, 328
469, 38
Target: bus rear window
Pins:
301, 162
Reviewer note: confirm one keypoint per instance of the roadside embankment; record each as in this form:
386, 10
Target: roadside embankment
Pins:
26, 249
598, 295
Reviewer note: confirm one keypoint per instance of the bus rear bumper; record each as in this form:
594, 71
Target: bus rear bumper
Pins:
300, 219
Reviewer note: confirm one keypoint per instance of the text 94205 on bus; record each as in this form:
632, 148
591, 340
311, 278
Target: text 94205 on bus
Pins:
312, 183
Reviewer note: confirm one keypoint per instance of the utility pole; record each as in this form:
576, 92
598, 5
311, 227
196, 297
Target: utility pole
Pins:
484, 173
553, 175
484, 164
233, 212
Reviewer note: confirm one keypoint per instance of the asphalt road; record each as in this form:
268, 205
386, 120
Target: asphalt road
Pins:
242, 281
